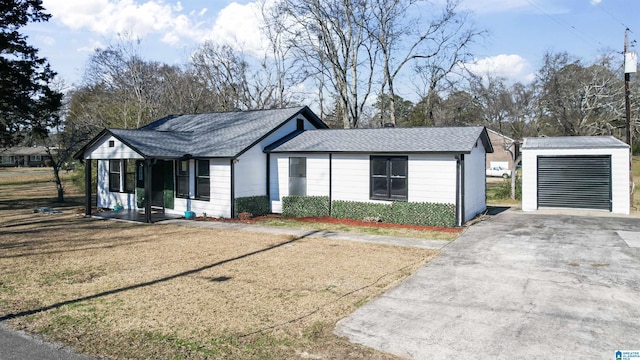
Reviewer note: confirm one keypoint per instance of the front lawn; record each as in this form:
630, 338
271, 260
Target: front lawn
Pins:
135, 291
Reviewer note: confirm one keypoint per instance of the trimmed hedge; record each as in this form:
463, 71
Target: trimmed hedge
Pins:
301, 206
255, 205
415, 213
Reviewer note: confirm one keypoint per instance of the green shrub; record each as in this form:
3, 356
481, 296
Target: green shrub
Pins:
301, 206
503, 191
415, 213
255, 205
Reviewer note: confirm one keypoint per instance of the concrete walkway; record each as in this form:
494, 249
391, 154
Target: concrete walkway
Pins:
16, 345
516, 286
334, 235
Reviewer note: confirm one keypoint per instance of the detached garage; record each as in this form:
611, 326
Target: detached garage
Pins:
580, 172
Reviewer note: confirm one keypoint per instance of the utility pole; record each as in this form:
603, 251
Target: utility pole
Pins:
630, 65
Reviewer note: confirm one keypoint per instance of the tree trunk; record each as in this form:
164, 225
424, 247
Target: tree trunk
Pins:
59, 186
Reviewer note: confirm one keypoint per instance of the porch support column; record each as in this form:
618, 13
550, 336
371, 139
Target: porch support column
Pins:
87, 187
147, 190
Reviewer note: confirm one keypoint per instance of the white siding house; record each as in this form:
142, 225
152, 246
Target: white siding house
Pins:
436, 165
200, 163
576, 172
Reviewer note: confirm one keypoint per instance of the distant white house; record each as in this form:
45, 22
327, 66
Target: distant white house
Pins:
207, 163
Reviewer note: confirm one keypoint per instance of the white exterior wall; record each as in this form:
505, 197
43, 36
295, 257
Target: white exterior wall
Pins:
219, 204
317, 177
475, 182
251, 167
619, 175
108, 199
119, 150
432, 178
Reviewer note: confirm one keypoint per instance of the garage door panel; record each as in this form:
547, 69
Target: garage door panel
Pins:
574, 181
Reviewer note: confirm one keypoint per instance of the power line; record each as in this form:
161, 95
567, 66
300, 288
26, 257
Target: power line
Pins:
615, 18
584, 36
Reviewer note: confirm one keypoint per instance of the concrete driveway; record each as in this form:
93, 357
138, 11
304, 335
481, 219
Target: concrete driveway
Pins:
516, 286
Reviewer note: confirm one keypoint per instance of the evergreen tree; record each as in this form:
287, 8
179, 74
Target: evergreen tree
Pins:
28, 105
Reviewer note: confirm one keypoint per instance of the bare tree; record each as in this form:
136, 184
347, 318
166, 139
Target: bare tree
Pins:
438, 42
332, 39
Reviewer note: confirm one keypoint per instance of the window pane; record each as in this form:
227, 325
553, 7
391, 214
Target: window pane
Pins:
398, 167
378, 166
203, 167
183, 186
203, 188
379, 187
183, 167
114, 165
131, 165
399, 188
297, 167
114, 182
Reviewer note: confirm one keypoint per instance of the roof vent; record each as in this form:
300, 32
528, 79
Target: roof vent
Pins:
389, 125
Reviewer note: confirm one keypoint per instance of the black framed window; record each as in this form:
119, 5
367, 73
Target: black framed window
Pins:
203, 182
182, 179
389, 178
129, 176
114, 175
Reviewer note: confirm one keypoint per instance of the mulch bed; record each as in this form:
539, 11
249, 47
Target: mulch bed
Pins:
332, 220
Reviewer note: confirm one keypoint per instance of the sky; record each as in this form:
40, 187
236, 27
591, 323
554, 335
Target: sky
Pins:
519, 31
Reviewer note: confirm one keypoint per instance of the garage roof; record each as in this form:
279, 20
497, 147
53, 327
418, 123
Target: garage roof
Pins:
573, 142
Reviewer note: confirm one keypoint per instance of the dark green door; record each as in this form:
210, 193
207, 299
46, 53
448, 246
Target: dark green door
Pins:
161, 184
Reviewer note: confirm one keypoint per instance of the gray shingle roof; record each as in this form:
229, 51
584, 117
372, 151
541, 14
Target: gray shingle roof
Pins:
573, 142
226, 134
386, 140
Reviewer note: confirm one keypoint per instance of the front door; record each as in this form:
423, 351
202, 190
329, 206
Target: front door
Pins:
162, 185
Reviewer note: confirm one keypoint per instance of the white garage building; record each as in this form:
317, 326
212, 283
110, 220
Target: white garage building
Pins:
584, 172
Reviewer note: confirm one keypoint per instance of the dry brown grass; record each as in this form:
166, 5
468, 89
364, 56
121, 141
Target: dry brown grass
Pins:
138, 291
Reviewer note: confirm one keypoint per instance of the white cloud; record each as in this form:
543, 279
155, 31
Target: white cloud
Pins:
240, 26
47, 40
595, 2
511, 67
94, 44
127, 17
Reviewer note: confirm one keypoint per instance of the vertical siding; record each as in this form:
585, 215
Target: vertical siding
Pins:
432, 178
317, 177
475, 182
102, 150
619, 175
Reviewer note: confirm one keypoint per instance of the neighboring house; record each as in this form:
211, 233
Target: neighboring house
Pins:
24, 156
206, 163
500, 156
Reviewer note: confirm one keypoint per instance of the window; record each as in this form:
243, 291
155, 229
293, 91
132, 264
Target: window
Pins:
114, 175
182, 179
8, 160
300, 125
202, 179
36, 157
129, 175
388, 178
112, 143
298, 176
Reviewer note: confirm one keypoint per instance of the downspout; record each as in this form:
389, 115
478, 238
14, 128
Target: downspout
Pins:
233, 190
87, 187
330, 180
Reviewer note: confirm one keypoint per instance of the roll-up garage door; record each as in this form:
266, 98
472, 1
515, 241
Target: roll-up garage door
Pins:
575, 182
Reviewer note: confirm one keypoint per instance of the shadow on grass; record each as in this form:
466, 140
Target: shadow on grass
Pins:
149, 283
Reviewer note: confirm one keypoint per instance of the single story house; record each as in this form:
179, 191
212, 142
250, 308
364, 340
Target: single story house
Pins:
28, 156
209, 163
501, 156
580, 172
